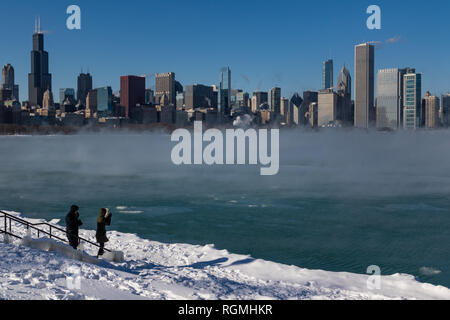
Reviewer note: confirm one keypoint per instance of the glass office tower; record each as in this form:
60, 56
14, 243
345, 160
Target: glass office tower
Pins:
104, 99
327, 74
224, 99
412, 83
388, 99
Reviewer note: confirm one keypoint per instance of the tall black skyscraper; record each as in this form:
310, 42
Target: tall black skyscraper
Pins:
84, 86
39, 80
224, 98
8, 81
308, 98
327, 74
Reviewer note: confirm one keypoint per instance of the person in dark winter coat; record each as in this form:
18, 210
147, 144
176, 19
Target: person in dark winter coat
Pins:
103, 220
72, 224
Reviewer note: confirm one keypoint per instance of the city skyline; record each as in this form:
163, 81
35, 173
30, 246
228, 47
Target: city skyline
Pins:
331, 109
294, 70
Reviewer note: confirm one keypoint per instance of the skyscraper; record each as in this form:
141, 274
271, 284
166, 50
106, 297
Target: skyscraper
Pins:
165, 84
344, 86
149, 96
104, 99
47, 100
402, 73
66, 93
432, 107
5, 95
275, 100
233, 100
224, 97
295, 118
84, 82
308, 98
284, 109
344, 92
313, 114
8, 81
178, 88
422, 114
132, 92
388, 98
327, 74
39, 80
364, 85
181, 100
199, 96
445, 106
242, 99
91, 103
258, 99
327, 107
412, 91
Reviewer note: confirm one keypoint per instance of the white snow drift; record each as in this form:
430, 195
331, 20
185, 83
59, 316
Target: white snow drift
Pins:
153, 270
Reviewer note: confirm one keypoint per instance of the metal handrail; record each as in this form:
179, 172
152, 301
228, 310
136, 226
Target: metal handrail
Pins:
39, 231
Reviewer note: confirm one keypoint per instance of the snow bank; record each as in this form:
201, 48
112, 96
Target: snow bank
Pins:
45, 269
46, 244
114, 256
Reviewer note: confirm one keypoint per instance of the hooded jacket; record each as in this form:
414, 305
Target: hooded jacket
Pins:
102, 222
73, 222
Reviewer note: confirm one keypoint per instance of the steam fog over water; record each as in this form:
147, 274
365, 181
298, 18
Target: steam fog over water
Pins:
342, 201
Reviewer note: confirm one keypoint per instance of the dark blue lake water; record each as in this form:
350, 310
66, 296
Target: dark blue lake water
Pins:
342, 201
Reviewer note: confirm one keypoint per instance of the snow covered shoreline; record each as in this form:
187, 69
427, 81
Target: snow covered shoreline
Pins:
154, 270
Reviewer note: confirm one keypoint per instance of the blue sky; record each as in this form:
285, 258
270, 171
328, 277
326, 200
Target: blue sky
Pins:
265, 43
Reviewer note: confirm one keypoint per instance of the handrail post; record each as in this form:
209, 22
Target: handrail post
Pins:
50, 231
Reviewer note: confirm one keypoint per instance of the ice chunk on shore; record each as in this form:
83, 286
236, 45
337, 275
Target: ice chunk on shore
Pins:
46, 244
